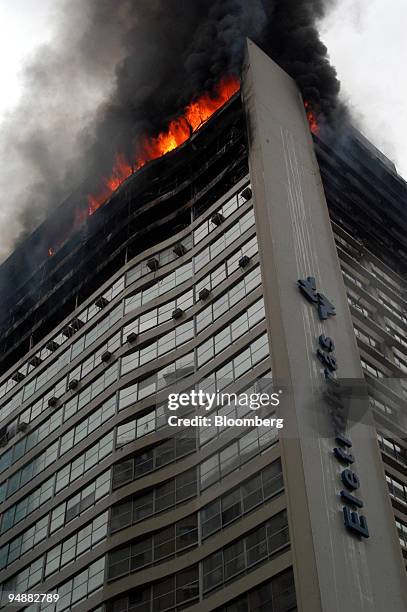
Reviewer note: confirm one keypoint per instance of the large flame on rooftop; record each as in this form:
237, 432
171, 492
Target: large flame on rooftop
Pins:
179, 130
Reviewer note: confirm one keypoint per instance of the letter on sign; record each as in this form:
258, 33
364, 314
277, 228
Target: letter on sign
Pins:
356, 523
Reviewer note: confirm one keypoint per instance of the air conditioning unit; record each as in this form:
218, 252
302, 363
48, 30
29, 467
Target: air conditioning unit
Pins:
107, 355
204, 294
246, 193
73, 384
52, 345
68, 331
35, 361
217, 218
153, 264
244, 261
77, 324
179, 249
17, 377
23, 426
132, 337
53, 401
101, 302
177, 313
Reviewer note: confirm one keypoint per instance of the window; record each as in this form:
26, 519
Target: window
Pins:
152, 459
378, 405
372, 370
88, 425
30, 538
84, 462
400, 361
364, 337
136, 428
392, 448
177, 590
225, 240
352, 278
154, 548
355, 302
276, 595
233, 456
348, 247
392, 305
83, 500
402, 531
223, 304
397, 331
74, 546
260, 544
171, 373
82, 398
250, 281
52, 368
78, 588
175, 338
386, 278
127, 396
241, 500
31, 440
156, 289
205, 228
27, 505
397, 489
225, 338
162, 497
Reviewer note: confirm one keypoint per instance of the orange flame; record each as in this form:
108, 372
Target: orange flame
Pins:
312, 119
178, 132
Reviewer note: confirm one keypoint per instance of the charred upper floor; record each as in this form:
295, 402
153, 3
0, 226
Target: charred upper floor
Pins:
364, 193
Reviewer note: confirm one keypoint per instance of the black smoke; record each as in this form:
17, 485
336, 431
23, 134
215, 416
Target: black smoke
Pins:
120, 69
291, 38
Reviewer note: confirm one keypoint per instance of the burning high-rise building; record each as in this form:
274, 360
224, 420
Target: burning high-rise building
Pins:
252, 255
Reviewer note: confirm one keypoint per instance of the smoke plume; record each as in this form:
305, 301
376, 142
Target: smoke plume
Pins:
120, 69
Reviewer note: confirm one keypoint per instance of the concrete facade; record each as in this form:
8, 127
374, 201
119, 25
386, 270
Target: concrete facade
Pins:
334, 571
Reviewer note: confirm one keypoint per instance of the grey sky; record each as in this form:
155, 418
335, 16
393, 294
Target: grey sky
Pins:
367, 43
24, 25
